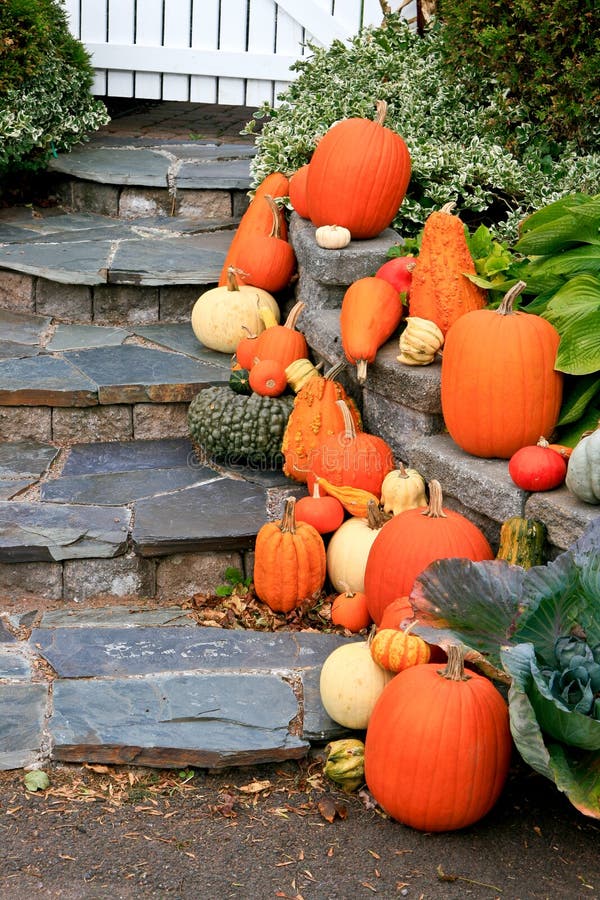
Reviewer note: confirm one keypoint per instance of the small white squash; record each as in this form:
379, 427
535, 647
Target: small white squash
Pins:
403, 489
332, 237
351, 683
221, 315
419, 342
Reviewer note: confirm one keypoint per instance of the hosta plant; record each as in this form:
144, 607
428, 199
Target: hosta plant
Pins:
538, 631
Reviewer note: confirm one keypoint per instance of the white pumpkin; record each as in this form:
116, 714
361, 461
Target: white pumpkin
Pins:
348, 550
403, 489
221, 315
583, 470
351, 683
332, 237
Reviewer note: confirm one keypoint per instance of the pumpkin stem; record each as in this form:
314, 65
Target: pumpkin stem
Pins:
361, 370
380, 112
288, 520
435, 510
448, 207
232, 278
506, 307
455, 667
295, 311
331, 373
276, 226
402, 473
543, 442
376, 517
349, 428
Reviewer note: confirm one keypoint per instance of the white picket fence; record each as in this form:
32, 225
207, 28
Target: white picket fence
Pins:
232, 52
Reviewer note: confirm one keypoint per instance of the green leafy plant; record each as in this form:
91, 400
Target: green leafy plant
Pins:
527, 628
234, 583
477, 151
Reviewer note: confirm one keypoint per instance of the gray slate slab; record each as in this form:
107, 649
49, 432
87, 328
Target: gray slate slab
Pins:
118, 652
114, 488
28, 458
21, 723
6, 636
181, 338
81, 337
13, 350
129, 456
210, 152
115, 617
10, 488
75, 262
45, 381
22, 328
31, 532
222, 174
134, 374
14, 664
115, 165
192, 259
219, 515
206, 720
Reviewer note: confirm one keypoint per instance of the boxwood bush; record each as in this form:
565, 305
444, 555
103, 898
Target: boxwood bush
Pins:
478, 150
45, 82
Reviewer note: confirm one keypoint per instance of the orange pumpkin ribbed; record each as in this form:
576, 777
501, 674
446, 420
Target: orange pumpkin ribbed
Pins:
289, 561
283, 342
358, 175
268, 260
438, 746
499, 388
297, 191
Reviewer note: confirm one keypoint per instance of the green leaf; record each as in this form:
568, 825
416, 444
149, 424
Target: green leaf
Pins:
577, 261
553, 211
224, 590
571, 435
564, 725
37, 780
574, 310
559, 234
581, 393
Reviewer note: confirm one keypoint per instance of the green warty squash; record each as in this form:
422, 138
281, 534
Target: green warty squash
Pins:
239, 429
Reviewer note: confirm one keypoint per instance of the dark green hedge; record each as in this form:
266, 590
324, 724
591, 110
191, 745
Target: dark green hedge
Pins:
545, 53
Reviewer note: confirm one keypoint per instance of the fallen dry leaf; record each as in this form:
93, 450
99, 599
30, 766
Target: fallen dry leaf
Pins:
330, 809
255, 787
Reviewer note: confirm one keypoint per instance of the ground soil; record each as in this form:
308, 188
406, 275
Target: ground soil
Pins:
281, 830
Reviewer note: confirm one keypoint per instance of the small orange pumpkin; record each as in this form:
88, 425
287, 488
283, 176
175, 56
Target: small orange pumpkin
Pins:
267, 378
289, 561
395, 613
396, 649
283, 342
349, 609
267, 260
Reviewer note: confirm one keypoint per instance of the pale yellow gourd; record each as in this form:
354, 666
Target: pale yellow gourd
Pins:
222, 314
403, 489
349, 548
299, 372
351, 683
332, 237
420, 342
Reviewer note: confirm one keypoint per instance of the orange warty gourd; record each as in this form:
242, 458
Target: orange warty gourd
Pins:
500, 390
440, 290
267, 260
283, 342
289, 561
349, 609
297, 191
353, 458
258, 218
412, 540
358, 175
314, 418
438, 746
371, 312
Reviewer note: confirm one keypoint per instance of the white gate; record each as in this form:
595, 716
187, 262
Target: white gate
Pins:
232, 52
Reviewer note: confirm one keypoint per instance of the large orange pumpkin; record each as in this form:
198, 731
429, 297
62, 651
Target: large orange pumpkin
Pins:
438, 746
358, 175
412, 540
500, 390
371, 312
298, 191
289, 561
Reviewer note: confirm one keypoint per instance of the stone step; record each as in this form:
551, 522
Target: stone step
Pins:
84, 267
127, 685
64, 383
140, 518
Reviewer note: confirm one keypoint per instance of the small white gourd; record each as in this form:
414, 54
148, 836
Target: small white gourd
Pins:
332, 237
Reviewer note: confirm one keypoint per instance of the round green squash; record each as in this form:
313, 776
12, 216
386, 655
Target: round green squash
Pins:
239, 429
239, 381
583, 470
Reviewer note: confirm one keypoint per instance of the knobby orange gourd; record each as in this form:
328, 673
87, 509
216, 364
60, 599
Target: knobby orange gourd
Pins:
499, 388
371, 312
358, 175
289, 561
440, 290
